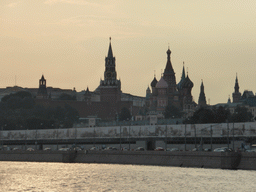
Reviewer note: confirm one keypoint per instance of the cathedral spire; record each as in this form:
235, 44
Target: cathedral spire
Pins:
168, 67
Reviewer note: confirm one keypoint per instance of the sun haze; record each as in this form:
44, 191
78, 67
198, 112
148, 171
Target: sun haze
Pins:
67, 41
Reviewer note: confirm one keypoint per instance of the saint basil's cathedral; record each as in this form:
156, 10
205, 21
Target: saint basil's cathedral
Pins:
167, 92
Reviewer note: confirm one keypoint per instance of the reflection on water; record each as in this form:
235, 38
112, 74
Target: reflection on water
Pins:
30, 176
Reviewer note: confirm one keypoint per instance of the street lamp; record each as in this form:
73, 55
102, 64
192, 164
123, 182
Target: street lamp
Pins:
211, 137
195, 136
228, 133
165, 136
185, 136
2, 138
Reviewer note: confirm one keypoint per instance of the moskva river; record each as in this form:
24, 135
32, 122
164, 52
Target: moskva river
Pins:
61, 177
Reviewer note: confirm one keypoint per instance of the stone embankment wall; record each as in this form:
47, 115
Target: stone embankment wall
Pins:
246, 161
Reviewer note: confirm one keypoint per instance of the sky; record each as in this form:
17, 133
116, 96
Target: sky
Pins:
67, 41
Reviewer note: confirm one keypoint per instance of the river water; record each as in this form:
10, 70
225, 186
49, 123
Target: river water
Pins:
32, 176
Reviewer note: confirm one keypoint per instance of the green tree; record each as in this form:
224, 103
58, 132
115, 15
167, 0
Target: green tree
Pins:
124, 114
65, 96
202, 115
221, 114
20, 94
172, 112
241, 114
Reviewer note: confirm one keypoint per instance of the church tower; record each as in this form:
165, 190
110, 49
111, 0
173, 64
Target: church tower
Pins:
110, 87
87, 96
42, 91
236, 94
169, 75
202, 99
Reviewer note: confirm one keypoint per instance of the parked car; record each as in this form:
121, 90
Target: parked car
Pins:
64, 149
250, 150
220, 150
77, 149
94, 149
174, 149
207, 149
124, 149
159, 149
139, 149
47, 149
30, 149
111, 149
16, 149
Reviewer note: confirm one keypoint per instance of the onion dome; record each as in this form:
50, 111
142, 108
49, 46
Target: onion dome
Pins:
162, 83
187, 83
154, 82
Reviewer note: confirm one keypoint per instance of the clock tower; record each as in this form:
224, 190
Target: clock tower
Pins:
110, 87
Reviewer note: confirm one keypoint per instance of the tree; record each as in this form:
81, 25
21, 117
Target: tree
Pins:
202, 115
20, 94
241, 114
172, 112
65, 96
125, 114
221, 115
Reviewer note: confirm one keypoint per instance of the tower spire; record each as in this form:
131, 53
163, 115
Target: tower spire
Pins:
202, 99
236, 94
110, 53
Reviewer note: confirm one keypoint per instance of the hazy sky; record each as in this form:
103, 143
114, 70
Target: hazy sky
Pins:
67, 41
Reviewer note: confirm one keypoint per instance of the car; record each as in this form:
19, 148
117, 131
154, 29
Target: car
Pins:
64, 149
16, 149
111, 149
250, 151
207, 149
124, 149
174, 149
159, 149
30, 149
94, 149
47, 149
139, 149
220, 150
77, 149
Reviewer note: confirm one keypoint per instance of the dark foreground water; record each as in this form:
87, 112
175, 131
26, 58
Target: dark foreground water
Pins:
30, 176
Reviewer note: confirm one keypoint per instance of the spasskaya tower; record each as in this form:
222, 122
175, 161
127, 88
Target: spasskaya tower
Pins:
110, 87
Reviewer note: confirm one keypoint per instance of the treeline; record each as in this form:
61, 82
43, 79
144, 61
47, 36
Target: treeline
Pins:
19, 111
220, 115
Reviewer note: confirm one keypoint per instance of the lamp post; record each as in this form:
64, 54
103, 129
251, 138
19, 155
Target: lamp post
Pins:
36, 138
228, 133
129, 138
166, 137
26, 139
58, 137
120, 138
2, 138
93, 136
233, 137
185, 136
195, 136
211, 137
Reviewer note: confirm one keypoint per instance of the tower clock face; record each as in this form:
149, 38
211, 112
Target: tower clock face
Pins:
109, 74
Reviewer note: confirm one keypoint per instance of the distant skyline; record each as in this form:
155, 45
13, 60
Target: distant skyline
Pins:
67, 41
